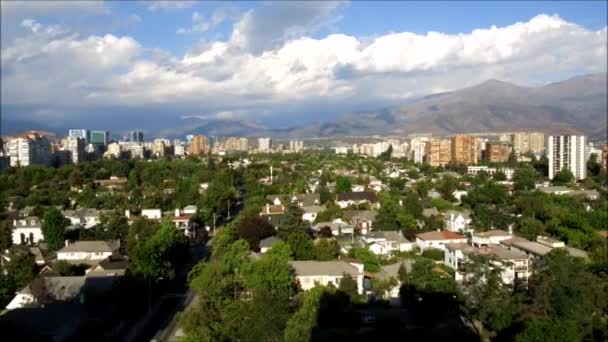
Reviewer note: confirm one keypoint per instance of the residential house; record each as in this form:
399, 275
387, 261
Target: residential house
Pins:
87, 252
491, 237
337, 227
357, 188
555, 190
311, 212
152, 214
267, 243
301, 200
310, 273
182, 221
387, 242
458, 194
356, 198
514, 263
363, 220
84, 217
388, 272
457, 221
428, 212
27, 230
112, 266
532, 249
273, 213
39, 256
438, 239
375, 185
190, 209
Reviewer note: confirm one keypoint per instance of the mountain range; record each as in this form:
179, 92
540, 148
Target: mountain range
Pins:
577, 105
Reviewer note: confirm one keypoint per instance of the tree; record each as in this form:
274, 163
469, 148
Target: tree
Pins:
326, 249
301, 245
524, 179
6, 238
140, 230
548, 329
63, 268
155, 257
22, 268
53, 228
593, 167
223, 239
500, 176
563, 177
325, 232
402, 274
343, 185
530, 228
292, 222
433, 254
349, 286
270, 274
370, 261
386, 155
253, 229
113, 226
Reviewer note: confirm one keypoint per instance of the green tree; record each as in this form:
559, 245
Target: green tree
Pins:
500, 176
386, 155
22, 268
6, 238
524, 179
370, 261
343, 185
563, 177
140, 230
292, 222
326, 249
433, 254
113, 226
63, 268
402, 273
349, 286
253, 229
549, 330
301, 245
530, 228
53, 228
155, 257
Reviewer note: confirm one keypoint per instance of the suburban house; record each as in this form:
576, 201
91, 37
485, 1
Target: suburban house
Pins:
387, 242
337, 228
190, 209
27, 231
357, 188
363, 220
356, 198
388, 272
273, 213
87, 252
532, 249
438, 239
309, 273
112, 266
84, 217
301, 200
267, 243
491, 237
375, 185
515, 264
311, 212
112, 184
182, 220
457, 221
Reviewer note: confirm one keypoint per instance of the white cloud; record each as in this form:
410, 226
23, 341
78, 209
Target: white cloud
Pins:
199, 25
294, 71
158, 5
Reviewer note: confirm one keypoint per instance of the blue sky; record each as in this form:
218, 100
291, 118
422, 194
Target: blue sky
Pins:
278, 62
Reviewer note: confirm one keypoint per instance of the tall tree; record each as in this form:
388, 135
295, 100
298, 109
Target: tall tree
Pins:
524, 179
53, 228
343, 185
349, 286
563, 177
253, 229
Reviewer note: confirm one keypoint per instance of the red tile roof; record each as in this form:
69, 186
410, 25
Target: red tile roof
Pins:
441, 235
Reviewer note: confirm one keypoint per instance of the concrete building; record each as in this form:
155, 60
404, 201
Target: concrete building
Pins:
524, 142
310, 273
160, 147
418, 149
438, 152
567, 152
296, 145
474, 170
29, 149
498, 152
264, 144
76, 149
80, 133
236, 144
179, 149
465, 149
114, 151
136, 136
27, 231
199, 145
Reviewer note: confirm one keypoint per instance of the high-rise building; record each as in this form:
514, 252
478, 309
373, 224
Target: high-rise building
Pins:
100, 138
114, 151
198, 145
159, 149
136, 136
264, 144
296, 145
498, 151
244, 144
567, 152
80, 133
465, 149
438, 152
75, 147
524, 142
29, 149
605, 156
179, 149
236, 144
418, 149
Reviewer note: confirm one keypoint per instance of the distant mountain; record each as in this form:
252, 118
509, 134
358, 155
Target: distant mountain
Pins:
577, 105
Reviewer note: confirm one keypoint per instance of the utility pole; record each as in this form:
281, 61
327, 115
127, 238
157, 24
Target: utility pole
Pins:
214, 223
236, 270
228, 207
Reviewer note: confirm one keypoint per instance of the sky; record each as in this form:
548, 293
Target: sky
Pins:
155, 65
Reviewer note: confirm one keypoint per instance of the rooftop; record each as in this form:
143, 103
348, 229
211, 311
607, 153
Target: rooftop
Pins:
492, 233
316, 268
440, 235
358, 196
90, 246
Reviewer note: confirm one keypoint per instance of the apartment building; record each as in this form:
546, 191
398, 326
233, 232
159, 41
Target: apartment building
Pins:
29, 149
524, 142
567, 152
199, 145
465, 149
498, 152
438, 152
264, 144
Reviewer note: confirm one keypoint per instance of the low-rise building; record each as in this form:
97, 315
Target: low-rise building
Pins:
311, 212
438, 239
27, 231
457, 221
87, 252
387, 242
357, 198
301, 200
491, 237
310, 273
338, 228
363, 220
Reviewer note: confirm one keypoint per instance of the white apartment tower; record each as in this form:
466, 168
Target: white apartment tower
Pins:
567, 152
29, 149
75, 146
264, 144
296, 145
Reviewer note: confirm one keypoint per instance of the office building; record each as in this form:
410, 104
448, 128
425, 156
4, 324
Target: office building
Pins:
264, 144
80, 133
29, 149
465, 149
136, 136
498, 152
114, 151
100, 138
438, 152
524, 142
199, 145
567, 152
